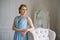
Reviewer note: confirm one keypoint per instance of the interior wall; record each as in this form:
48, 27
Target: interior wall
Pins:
58, 21
48, 6
51, 7
9, 9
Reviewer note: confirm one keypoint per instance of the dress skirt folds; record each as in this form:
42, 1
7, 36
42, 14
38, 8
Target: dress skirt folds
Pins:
21, 23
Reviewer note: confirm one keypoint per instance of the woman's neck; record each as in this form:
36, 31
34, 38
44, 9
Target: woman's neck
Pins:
22, 16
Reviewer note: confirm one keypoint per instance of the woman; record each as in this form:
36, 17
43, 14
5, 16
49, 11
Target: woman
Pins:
21, 23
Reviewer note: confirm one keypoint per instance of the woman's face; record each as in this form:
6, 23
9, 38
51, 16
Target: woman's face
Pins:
23, 10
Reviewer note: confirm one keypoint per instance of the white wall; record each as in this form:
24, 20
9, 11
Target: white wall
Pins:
9, 9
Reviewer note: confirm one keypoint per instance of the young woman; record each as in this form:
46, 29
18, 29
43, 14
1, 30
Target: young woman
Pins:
22, 24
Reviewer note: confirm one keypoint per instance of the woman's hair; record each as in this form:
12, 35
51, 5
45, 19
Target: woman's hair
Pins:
22, 5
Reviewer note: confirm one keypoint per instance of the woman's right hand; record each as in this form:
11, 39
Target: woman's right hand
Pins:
24, 32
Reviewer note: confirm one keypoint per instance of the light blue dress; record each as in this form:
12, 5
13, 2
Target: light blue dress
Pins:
21, 23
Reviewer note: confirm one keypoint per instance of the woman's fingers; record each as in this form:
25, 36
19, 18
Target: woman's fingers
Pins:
24, 32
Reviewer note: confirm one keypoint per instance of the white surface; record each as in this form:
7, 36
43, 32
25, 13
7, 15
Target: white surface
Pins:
43, 34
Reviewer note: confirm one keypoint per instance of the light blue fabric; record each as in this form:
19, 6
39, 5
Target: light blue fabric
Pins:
21, 23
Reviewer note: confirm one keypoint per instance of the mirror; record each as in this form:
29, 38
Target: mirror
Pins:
41, 18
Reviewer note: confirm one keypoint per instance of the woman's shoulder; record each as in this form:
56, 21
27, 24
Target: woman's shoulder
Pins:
16, 17
28, 18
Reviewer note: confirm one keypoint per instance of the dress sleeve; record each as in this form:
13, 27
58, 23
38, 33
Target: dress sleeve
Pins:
14, 21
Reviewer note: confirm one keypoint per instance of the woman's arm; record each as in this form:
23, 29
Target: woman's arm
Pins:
15, 28
30, 28
30, 24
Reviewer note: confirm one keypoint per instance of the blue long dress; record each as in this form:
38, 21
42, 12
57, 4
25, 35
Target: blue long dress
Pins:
21, 23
